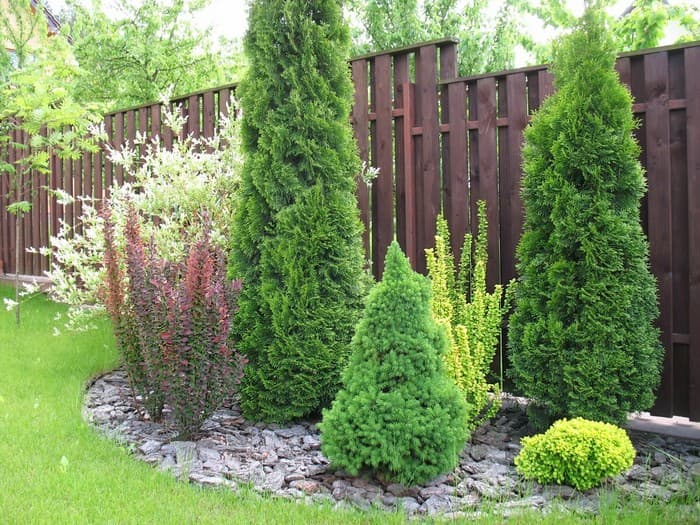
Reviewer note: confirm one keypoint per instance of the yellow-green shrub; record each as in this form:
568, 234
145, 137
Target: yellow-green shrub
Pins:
576, 452
471, 316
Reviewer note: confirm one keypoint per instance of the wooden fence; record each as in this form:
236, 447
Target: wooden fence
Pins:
442, 143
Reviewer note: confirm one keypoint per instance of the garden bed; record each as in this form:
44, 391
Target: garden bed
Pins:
287, 461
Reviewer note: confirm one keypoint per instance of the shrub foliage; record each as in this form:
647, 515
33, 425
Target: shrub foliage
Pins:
576, 452
398, 413
296, 240
582, 340
173, 326
472, 316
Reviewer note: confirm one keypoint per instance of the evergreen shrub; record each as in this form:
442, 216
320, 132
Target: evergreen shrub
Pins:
576, 452
398, 413
582, 338
296, 239
471, 315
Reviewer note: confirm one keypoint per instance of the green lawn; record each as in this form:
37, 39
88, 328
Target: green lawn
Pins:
41, 390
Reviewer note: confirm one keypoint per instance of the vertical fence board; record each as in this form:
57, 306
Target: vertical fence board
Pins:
130, 137
510, 173
488, 175
382, 157
193, 120
109, 167
4, 215
224, 101
361, 129
12, 194
692, 81
660, 227
97, 179
402, 144
56, 180
456, 182
428, 173
77, 192
37, 219
143, 129
208, 114
117, 143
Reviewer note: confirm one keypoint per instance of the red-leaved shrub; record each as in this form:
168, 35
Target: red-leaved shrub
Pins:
174, 325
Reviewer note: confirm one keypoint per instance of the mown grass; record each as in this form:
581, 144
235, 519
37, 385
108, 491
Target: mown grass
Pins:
55, 469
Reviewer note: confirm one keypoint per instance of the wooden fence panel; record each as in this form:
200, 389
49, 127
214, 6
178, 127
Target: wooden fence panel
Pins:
456, 199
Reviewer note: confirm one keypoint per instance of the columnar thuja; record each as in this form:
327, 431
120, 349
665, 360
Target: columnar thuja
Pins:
296, 239
582, 338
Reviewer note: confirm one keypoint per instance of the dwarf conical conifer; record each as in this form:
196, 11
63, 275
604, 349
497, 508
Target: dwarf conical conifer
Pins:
398, 414
582, 339
296, 237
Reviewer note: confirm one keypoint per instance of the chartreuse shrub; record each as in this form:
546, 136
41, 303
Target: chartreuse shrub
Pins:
472, 317
582, 336
296, 238
576, 452
398, 413
173, 327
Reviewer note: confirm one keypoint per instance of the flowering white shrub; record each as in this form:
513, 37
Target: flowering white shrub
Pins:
172, 189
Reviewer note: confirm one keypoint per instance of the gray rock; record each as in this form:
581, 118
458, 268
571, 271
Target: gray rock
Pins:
150, 447
479, 452
274, 480
408, 505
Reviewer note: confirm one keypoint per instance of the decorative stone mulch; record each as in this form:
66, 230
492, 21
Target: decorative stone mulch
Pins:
287, 461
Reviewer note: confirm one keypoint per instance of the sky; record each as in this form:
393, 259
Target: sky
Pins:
228, 18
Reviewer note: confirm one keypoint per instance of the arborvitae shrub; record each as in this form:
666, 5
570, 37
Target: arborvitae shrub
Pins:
582, 340
296, 238
576, 452
398, 413
471, 315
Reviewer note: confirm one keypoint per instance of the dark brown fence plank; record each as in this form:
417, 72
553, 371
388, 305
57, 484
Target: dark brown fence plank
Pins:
56, 182
143, 129
510, 172
361, 129
455, 169
488, 174
109, 167
193, 120
224, 101
35, 241
428, 175
77, 192
12, 196
117, 143
403, 145
4, 215
660, 218
382, 157
130, 138
692, 81
208, 114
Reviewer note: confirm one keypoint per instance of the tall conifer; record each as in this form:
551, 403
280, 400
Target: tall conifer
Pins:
582, 339
296, 241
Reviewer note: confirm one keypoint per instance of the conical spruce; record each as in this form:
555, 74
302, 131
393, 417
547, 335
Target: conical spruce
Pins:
582, 339
398, 414
296, 237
